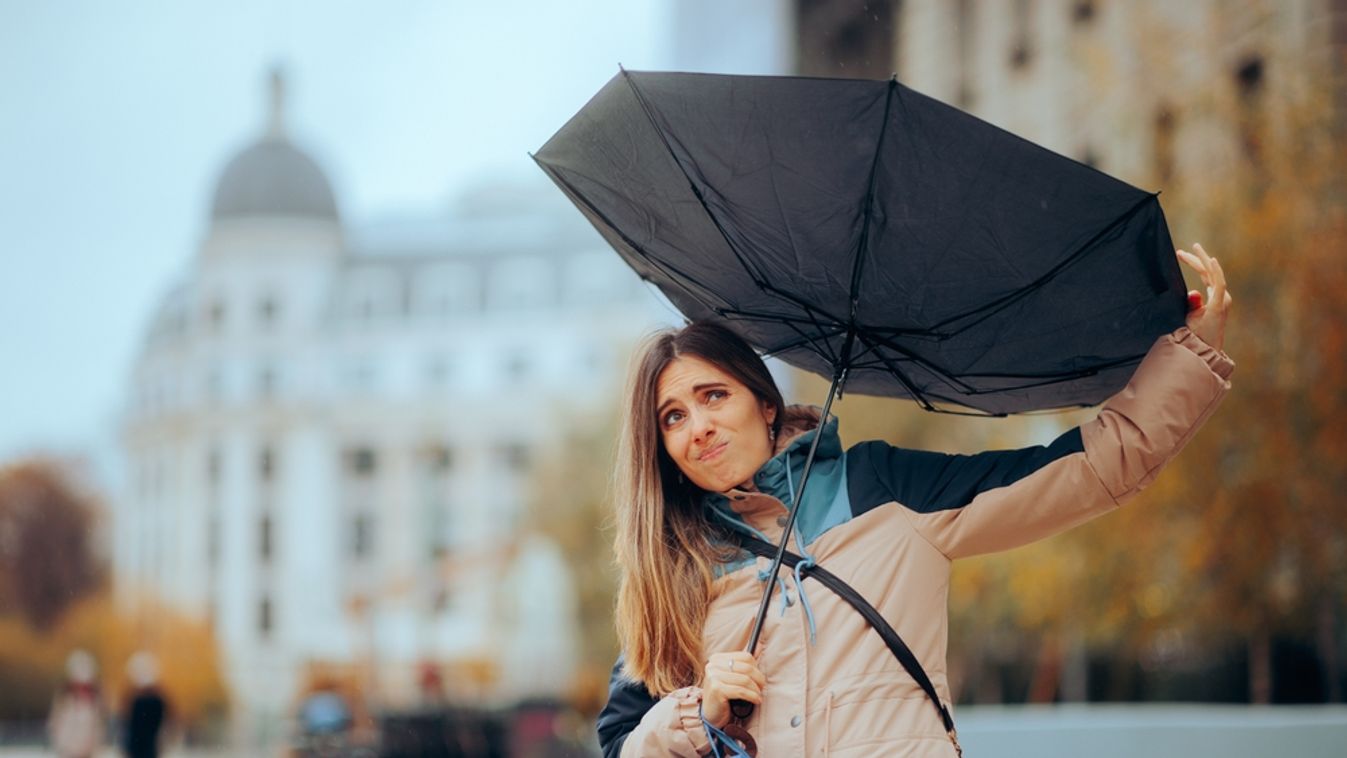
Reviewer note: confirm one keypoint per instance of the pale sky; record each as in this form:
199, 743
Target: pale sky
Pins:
118, 117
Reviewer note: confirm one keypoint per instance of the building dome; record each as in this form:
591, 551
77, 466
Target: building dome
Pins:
273, 177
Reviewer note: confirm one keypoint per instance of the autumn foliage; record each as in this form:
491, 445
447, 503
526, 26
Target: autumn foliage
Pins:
55, 598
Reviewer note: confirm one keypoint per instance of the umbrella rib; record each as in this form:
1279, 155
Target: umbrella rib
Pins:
954, 382
804, 340
826, 351
753, 274
1005, 301
770, 317
672, 272
793, 324
917, 394
891, 366
946, 376
806, 306
867, 211
1050, 378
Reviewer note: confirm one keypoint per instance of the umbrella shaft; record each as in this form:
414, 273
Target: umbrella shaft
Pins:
790, 518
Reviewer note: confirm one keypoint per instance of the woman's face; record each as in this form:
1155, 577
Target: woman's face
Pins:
714, 428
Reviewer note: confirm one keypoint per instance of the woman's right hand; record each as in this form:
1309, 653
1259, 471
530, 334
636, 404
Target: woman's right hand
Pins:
730, 676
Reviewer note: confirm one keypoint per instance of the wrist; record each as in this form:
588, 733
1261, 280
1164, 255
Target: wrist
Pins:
715, 718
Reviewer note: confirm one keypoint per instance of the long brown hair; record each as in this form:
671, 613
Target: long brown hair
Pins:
663, 545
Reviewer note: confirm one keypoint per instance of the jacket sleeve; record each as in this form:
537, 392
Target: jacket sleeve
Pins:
636, 723
970, 504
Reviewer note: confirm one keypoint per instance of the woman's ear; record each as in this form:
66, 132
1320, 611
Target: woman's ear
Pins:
769, 412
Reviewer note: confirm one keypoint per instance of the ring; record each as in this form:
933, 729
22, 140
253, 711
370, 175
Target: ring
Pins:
731, 666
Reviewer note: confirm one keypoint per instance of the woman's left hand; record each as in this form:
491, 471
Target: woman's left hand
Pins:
1207, 319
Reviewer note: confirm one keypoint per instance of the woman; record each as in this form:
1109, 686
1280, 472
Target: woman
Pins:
709, 450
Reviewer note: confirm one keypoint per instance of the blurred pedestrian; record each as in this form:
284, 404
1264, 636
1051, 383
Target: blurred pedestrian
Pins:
76, 723
147, 710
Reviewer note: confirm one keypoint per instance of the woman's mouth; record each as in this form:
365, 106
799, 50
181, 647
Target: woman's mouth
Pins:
712, 452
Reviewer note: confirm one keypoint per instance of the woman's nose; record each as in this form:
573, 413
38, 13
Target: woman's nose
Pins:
702, 425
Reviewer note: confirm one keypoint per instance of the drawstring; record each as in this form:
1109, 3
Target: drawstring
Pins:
808, 558
804, 599
781, 583
802, 565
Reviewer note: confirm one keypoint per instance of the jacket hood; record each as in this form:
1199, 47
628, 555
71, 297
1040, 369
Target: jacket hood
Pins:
798, 429
780, 475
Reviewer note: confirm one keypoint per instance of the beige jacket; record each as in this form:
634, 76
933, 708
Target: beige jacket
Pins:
889, 521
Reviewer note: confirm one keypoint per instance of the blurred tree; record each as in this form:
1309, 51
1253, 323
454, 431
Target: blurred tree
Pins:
32, 660
47, 555
1268, 528
570, 503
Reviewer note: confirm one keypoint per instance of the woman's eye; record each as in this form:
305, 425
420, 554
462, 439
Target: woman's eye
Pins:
717, 395
672, 417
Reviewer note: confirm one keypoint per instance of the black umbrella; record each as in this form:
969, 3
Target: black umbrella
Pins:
861, 226
871, 234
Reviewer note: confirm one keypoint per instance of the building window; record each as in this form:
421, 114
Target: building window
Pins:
846, 38
515, 456
1162, 138
215, 384
267, 382
213, 541
438, 370
964, 29
215, 316
362, 536
374, 295
438, 458
213, 466
264, 619
1249, 75
437, 529
265, 546
358, 375
1021, 44
440, 599
439, 291
361, 461
266, 463
1083, 12
1090, 157
267, 312
516, 366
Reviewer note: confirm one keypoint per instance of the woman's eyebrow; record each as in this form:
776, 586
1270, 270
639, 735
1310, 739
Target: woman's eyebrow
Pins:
696, 389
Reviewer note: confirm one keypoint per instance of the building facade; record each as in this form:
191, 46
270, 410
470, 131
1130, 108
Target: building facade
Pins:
330, 432
1163, 95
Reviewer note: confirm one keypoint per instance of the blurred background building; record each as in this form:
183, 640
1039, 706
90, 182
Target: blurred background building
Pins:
329, 429
1159, 93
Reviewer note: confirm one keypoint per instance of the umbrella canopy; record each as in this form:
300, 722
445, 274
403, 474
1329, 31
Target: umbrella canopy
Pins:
859, 229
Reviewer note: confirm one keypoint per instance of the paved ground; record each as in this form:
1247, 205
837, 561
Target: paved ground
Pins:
1153, 731
1096, 731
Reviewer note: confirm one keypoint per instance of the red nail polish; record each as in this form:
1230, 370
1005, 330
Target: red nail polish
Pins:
1194, 301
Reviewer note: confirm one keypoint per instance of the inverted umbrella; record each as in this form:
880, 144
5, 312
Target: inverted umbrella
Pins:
863, 231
